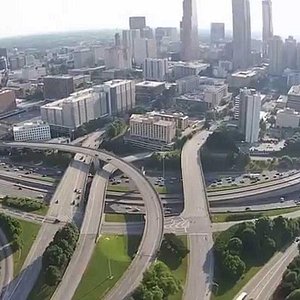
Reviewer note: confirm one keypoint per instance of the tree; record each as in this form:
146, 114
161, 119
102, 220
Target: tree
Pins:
263, 227
235, 246
249, 239
54, 255
282, 232
295, 295
234, 267
52, 275
268, 247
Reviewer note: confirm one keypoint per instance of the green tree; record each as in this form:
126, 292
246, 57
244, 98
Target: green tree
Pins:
234, 267
295, 295
268, 247
52, 275
235, 246
263, 227
54, 255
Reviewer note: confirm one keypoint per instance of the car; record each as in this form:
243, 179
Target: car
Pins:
40, 196
19, 188
78, 197
56, 221
247, 208
127, 181
73, 202
297, 240
282, 199
56, 202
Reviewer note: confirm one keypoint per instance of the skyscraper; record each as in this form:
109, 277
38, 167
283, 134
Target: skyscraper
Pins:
241, 33
217, 32
189, 31
137, 22
267, 25
249, 114
276, 55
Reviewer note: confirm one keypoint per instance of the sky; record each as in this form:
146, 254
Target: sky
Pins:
25, 17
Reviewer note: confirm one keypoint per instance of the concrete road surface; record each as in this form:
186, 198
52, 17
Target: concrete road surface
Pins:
74, 178
6, 263
153, 233
200, 265
264, 283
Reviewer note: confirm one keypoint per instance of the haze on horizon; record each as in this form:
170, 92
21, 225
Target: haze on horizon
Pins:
26, 17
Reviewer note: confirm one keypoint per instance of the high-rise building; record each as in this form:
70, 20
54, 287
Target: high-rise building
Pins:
3, 52
58, 87
128, 37
290, 53
65, 115
249, 114
189, 31
267, 25
83, 58
155, 69
7, 101
276, 52
241, 33
120, 95
144, 48
137, 22
217, 32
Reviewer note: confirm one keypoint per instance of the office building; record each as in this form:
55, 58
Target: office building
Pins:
83, 58
294, 98
147, 91
181, 120
32, 132
147, 33
249, 114
155, 69
3, 53
58, 87
217, 32
120, 95
144, 48
241, 34
188, 84
247, 78
189, 31
290, 53
171, 33
267, 25
276, 55
287, 118
66, 115
151, 132
7, 101
137, 22
114, 58
182, 69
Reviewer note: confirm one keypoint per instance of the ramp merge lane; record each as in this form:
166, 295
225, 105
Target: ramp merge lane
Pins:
154, 223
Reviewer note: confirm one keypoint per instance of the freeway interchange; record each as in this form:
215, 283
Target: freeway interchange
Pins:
193, 222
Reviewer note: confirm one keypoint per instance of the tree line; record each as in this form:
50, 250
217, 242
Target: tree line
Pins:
237, 248
13, 230
58, 254
24, 204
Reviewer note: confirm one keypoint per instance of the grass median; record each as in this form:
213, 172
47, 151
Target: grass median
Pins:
28, 236
124, 218
111, 258
250, 215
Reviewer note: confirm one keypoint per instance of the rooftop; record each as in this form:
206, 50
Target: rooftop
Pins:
151, 119
295, 90
117, 82
149, 84
28, 125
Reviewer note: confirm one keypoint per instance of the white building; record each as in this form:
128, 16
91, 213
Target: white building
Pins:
288, 118
294, 98
182, 69
83, 58
33, 131
144, 48
66, 115
249, 114
276, 56
152, 129
120, 94
155, 69
33, 73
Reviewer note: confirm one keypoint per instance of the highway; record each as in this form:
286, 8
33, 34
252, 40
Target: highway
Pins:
264, 283
200, 264
60, 208
154, 224
6, 263
88, 237
256, 190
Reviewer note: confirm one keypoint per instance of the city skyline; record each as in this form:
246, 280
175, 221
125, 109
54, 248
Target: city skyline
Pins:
63, 15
